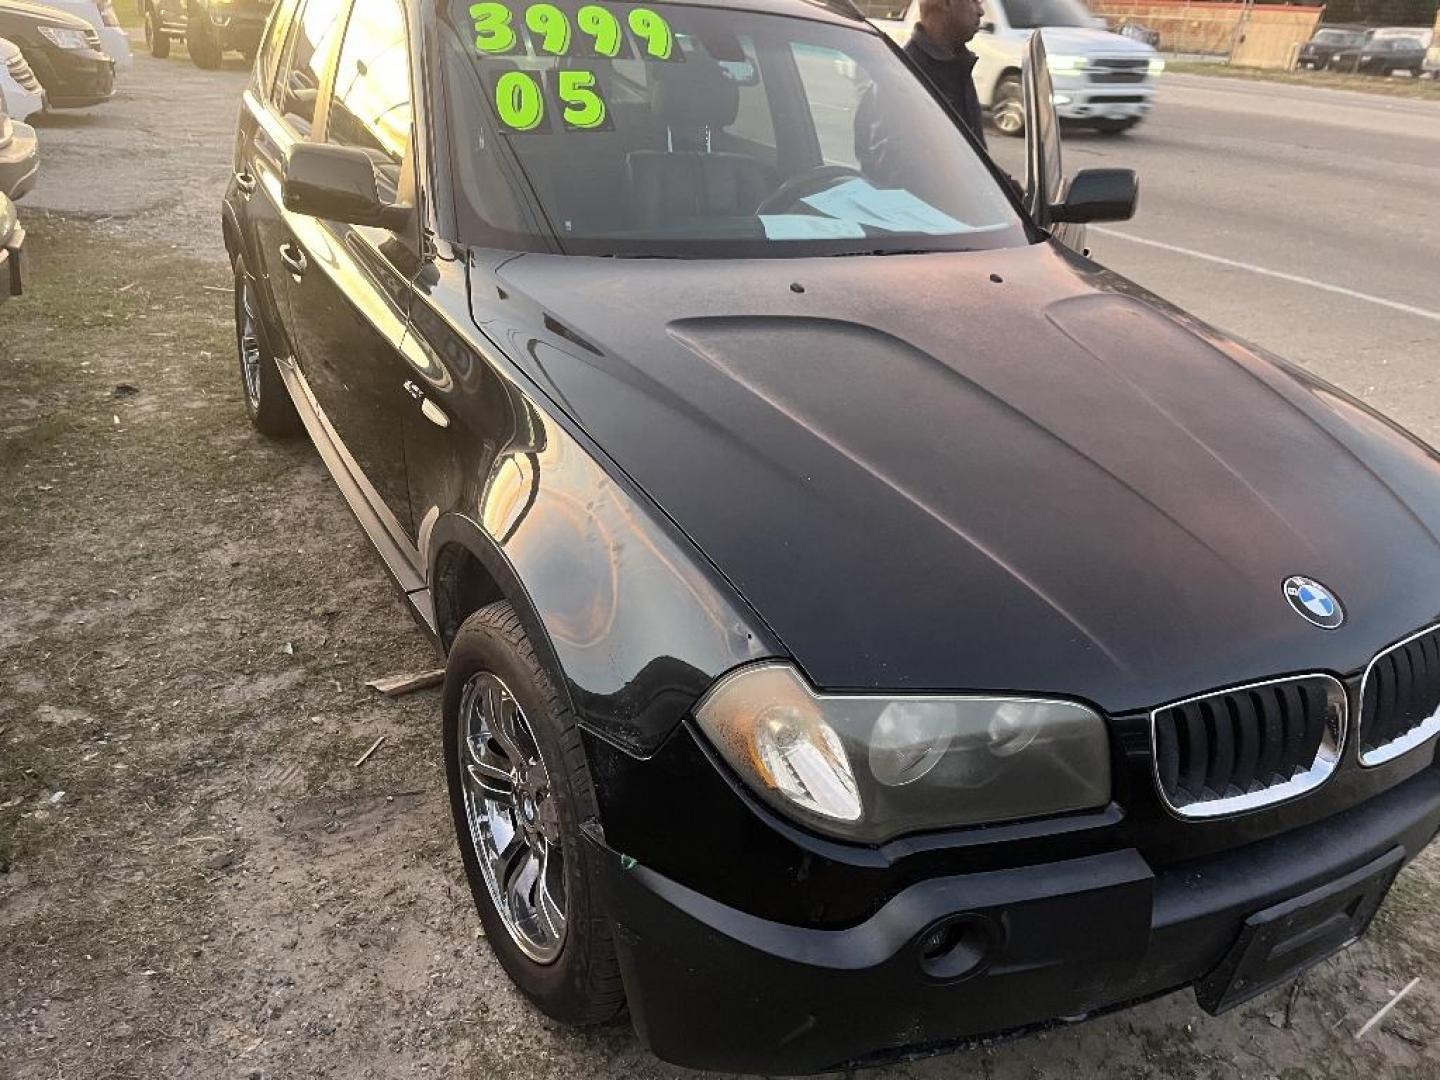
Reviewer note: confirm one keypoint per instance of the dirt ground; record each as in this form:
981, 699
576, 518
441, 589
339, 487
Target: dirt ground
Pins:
195, 878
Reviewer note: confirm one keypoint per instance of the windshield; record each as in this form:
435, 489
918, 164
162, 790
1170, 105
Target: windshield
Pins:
701, 132
1028, 14
1338, 37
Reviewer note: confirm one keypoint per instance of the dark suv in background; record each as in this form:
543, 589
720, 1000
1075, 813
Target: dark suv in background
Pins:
209, 28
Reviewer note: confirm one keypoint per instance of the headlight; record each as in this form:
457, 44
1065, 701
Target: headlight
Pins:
64, 38
870, 768
1061, 63
1157, 65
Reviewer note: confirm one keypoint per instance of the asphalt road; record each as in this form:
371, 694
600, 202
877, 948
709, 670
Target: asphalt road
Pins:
1338, 188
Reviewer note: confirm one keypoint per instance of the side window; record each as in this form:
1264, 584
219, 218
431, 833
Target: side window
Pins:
371, 106
273, 44
297, 91
753, 122
833, 89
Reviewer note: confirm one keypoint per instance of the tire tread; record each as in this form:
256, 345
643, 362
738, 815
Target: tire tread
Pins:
598, 970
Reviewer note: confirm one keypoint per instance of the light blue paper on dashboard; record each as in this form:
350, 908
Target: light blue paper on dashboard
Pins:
809, 227
893, 209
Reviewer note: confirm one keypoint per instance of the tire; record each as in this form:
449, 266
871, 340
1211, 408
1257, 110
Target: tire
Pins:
203, 45
1007, 107
267, 402
156, 40
572, 976
1116, 127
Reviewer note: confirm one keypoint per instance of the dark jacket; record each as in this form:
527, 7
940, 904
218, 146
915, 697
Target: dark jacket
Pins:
952, 75
880, 148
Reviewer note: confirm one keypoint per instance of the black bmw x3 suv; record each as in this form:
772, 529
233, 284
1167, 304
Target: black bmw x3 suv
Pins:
870, 623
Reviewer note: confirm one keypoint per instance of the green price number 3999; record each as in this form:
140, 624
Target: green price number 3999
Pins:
551, 32
520, 101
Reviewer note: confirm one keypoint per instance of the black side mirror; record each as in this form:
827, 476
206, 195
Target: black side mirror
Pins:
987, 27
338, 183
1099, 195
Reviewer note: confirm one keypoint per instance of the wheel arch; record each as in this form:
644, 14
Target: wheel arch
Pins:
1005, 73
467, 571
230, 230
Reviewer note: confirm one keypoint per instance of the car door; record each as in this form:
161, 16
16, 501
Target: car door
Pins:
349, 293
259, 167
279, 111
1045, 176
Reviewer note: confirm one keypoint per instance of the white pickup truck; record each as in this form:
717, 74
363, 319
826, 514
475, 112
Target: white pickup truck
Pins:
1101, 79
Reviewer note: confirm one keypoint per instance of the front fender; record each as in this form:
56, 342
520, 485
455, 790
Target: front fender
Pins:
633, 620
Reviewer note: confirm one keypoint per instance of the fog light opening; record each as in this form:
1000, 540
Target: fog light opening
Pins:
958, 947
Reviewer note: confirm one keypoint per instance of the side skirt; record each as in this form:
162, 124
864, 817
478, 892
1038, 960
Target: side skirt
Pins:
401, 557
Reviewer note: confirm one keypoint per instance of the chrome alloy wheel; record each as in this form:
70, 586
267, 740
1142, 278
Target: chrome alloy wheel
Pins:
247, 338
513, 817
1008, 112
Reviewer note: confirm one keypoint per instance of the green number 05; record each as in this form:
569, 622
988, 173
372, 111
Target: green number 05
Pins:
519, 101
493, 32
584, 108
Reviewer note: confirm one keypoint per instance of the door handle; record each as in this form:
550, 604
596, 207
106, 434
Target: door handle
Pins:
294, 260
428, 408
246, 182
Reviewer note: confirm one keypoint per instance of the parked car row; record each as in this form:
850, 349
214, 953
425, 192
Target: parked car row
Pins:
1355, 49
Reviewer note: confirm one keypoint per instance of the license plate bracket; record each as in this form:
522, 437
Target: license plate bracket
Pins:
1279, 942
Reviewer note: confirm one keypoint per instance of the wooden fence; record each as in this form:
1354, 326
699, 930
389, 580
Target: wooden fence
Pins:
1253, 35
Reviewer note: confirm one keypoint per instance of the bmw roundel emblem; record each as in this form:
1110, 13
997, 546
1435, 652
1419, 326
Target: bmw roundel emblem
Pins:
1314, 603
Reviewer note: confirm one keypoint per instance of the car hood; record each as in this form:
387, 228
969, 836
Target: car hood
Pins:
1003, 471
20, 12
1082, 41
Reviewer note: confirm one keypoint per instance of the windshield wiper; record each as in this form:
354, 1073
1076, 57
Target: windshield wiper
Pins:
896, 251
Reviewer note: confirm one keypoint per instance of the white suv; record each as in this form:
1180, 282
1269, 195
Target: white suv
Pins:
1101, 79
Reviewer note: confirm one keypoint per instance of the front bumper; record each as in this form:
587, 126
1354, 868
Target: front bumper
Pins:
19, 162
1117, 104
74, 78
238, 29
713, 987
1077, 97
23, 102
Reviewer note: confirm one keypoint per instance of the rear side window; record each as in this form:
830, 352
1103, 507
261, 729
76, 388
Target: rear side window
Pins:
273, 45
833, 89
371, 105
297, 91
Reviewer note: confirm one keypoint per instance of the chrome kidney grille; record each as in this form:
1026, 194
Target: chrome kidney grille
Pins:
1249, 747
1400, 698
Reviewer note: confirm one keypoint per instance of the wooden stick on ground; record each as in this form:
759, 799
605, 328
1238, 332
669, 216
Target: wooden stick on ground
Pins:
1386, 1010
366, 756
399, 685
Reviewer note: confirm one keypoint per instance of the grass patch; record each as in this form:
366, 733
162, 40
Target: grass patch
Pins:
1389, 86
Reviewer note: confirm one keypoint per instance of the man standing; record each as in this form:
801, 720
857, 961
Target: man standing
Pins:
938, 49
